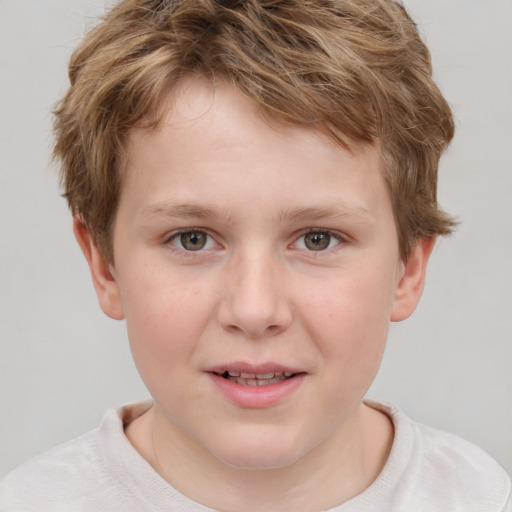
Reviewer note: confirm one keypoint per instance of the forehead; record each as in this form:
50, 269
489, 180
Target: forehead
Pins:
213, 136
193, 102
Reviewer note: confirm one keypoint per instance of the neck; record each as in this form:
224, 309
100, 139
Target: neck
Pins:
340, 468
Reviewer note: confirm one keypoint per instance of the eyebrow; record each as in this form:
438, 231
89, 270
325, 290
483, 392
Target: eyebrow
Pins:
330, 212
180, 210
173, 209
196, 210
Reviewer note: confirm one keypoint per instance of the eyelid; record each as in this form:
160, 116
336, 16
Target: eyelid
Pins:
174, 235
341, 238
170, 237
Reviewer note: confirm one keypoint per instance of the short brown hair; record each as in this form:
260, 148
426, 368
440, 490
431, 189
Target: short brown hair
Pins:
356, 68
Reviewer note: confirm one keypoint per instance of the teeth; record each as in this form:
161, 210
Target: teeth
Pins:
256, 379
269, 375
257, 382
265, 375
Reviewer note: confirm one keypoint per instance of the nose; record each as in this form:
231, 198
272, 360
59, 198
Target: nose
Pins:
254, 301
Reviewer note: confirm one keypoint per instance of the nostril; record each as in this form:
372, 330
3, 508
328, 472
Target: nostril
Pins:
255, 314
234, 329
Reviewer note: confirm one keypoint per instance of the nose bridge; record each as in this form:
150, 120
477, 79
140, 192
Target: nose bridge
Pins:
253, 299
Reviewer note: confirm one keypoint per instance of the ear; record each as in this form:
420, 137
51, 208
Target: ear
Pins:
411, 280
102, 272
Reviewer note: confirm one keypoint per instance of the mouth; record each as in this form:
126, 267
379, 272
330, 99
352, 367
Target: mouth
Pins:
257, 387
256, 379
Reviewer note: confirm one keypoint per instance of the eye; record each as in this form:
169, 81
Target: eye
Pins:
318, 241
192, 240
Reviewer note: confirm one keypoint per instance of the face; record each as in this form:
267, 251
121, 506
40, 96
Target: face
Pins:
257, 267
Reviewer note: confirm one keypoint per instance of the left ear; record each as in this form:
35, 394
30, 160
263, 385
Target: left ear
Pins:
411, 281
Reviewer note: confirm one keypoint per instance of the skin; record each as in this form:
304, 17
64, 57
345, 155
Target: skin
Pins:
256, 293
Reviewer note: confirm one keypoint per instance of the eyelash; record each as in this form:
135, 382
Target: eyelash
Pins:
331, 234
175, 236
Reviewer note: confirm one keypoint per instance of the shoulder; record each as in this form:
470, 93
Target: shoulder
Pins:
75, 476
460, 467
58, 475
435, 468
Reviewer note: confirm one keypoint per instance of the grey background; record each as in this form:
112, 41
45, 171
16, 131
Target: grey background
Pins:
62, 363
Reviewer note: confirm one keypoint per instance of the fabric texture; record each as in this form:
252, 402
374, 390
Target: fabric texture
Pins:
427, 471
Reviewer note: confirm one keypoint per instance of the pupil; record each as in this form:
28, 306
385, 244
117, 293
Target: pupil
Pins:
193, 241
317, 241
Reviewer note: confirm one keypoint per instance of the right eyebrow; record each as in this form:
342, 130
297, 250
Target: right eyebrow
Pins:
176, 209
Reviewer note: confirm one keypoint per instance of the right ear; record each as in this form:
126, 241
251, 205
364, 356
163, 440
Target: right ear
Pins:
102, 273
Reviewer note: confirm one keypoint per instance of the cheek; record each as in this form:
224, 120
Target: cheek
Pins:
349, 319
165, 317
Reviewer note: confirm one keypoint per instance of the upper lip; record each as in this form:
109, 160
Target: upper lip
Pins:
256, 369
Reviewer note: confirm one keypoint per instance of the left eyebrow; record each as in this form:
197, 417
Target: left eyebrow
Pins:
334, 212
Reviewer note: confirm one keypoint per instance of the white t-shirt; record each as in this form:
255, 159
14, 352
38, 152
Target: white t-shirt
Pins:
427, 471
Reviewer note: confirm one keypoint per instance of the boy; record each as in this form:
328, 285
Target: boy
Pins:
254, 188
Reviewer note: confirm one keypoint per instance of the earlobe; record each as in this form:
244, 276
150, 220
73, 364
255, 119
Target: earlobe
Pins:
411, 281
103, 278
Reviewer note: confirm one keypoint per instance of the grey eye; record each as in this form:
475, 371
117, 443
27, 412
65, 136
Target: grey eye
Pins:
193, 241
317, 241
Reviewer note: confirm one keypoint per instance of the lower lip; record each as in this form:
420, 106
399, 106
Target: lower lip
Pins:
257, 397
